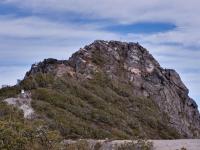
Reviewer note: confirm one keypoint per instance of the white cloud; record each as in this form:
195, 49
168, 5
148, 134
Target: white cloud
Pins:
34, 27
121, 10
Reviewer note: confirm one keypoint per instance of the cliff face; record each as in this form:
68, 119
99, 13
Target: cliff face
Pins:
131, 64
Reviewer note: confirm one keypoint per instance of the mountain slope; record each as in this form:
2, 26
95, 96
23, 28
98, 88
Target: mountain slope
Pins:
113, 90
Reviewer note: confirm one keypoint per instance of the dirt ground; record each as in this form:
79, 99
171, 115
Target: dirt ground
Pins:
188, 144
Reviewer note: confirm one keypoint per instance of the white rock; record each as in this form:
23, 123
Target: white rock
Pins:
22, 103
28, 111
134, 70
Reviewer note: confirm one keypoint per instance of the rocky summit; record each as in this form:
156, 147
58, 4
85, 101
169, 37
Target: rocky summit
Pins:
108, 89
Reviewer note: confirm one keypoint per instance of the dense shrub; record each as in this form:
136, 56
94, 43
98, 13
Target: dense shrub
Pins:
9, 92
79, 145
18, 134
36, 81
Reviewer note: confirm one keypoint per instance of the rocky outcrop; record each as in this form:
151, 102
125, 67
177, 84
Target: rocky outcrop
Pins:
130, 63
23, 102
48, 65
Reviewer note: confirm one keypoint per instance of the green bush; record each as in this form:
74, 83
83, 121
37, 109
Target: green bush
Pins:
36, 81
99, 103
18, 136
79, 145
9, 92
11, 136
97, 57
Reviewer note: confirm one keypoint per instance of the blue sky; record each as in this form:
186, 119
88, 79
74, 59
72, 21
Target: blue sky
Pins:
31, 30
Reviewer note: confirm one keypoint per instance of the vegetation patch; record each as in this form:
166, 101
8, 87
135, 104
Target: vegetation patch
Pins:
70, 109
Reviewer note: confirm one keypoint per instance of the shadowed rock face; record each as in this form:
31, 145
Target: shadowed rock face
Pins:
132, 64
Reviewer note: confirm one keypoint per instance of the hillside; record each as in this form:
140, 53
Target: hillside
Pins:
113, 90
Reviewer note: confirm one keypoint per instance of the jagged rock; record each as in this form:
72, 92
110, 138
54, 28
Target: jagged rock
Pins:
48, 65
131, 63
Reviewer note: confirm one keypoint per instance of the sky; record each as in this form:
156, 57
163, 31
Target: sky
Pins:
32, 30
